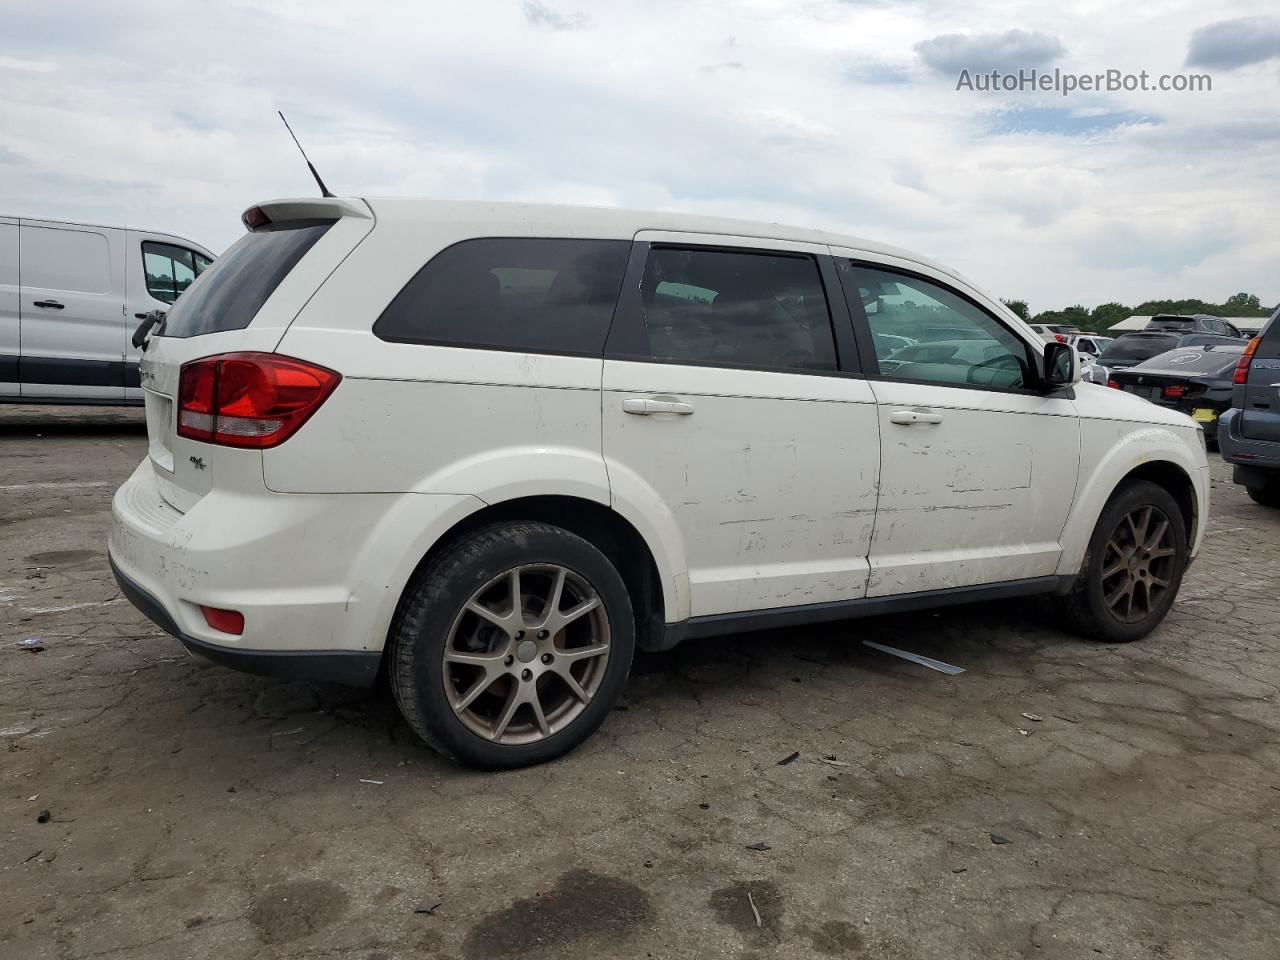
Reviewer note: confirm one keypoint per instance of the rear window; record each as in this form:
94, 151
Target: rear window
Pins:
229, 294
512, 293
1269, 344
1136, 348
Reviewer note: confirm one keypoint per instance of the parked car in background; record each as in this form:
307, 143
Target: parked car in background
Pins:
1249, 433
1196, 323
1092, 371
1194, 380
1131, 349
71, 295
488, 450
1060, 332
1089, 343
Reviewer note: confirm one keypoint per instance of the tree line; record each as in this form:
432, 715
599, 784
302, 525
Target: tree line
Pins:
1103, 316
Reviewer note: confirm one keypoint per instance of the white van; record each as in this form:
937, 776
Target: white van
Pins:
71, 295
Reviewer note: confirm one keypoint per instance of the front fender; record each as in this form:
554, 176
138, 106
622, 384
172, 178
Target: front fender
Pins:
1110, 451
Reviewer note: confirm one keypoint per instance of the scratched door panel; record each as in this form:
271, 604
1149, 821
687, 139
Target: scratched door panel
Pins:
979, 497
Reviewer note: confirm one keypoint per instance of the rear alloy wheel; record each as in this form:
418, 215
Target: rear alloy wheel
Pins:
1133, 568
511, 647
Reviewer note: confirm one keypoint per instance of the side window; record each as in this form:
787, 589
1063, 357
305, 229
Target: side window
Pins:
169, 270
739, 309
951, 341
512, 293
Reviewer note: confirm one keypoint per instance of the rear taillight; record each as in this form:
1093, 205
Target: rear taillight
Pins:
1246, 358
1115, 384
1060, 338
255, 400
1175, 390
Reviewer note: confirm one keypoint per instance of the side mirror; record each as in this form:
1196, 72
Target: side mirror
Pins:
1061, 365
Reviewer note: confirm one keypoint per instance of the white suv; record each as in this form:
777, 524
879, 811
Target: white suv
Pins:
488, 450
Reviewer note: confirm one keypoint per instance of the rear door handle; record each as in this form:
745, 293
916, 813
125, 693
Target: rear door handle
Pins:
47, 304
907, 417
644, 407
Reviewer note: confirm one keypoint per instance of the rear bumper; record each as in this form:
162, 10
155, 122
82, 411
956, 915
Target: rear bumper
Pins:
1260, 455
316, 577
351, 667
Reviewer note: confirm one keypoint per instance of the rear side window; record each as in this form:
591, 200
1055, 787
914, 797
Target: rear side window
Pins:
1269, 338
229, 294
512, 293
739, 309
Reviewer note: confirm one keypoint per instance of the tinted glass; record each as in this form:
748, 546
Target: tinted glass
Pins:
169, 270
1137, 348
740, 309
229, 294
1269, 338
952, 340
511, 293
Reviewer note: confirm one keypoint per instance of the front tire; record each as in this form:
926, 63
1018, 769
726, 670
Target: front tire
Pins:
511, 647
1133, 567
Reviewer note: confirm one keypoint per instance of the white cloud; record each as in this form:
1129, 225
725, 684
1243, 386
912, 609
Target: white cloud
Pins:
831, 121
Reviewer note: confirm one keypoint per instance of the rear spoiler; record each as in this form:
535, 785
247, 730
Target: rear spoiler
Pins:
309, 208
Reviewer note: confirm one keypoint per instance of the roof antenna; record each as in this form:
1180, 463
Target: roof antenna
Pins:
324, 191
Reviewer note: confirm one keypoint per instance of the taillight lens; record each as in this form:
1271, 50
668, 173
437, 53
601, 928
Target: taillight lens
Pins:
255, 400
226, 621
1115, 384
1246, 358
1175, 390
1060, 338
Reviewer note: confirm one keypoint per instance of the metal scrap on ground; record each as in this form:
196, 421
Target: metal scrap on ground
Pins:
924, 661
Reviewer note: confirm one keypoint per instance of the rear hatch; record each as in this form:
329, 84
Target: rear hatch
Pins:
1259, 397
244, 302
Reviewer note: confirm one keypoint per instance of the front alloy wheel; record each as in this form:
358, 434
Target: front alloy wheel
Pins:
1133, 566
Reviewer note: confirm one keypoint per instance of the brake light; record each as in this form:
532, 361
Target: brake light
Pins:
1246, 358
255, 400
1060, 338
1115, 384
228, 621
254, 217
1175, 390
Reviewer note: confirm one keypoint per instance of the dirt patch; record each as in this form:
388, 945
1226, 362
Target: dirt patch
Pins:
836, 938
62, 558
287, 911
581, 905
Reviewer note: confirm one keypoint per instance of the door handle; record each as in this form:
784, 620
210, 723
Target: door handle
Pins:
907, 417
47, 304
644, 407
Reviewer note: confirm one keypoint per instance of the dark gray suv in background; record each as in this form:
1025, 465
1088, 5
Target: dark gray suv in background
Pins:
1249, 433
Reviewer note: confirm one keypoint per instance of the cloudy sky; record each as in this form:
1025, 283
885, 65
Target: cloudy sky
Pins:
841, 114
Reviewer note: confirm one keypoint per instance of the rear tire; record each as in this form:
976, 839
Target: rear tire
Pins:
1133, 567
1268, 496
511, 647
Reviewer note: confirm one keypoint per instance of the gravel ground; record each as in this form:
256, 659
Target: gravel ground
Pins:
196, 812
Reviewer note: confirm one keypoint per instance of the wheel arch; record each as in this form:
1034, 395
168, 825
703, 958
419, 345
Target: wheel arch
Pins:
606, 529
1139, 458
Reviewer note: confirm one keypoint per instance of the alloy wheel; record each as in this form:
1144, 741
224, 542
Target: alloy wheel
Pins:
526, 654
1138, 564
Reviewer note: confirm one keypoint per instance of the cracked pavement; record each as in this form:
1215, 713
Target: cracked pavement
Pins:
197, 812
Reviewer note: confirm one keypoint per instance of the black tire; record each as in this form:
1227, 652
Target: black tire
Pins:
436, 598
1085, 608
1268, 496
